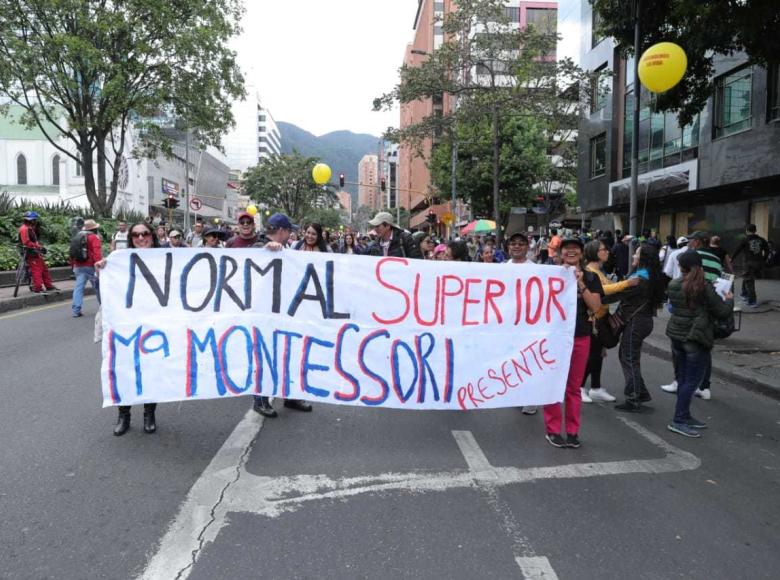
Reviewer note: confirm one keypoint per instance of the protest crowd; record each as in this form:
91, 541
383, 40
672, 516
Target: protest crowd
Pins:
622, 282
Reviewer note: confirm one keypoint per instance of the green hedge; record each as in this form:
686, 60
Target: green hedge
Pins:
54, 227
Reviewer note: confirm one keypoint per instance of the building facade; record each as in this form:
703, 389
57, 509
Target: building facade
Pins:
368, 182
414, 179
345, 201
255, 135
717, 174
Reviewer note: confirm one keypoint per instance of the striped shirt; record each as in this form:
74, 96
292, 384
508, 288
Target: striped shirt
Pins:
711, 264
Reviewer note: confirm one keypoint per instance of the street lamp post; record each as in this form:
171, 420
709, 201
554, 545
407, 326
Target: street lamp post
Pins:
632, 203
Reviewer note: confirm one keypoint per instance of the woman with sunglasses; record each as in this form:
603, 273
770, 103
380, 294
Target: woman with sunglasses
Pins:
141, 237
212, 238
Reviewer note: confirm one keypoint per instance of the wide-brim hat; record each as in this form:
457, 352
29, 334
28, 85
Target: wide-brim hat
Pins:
214, 232
90, 225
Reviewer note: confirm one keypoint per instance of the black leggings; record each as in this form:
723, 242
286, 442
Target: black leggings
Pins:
125, 409
634, 334
595, 362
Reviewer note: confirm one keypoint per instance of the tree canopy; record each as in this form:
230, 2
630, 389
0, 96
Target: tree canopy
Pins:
91, 68
284, 183
703, 29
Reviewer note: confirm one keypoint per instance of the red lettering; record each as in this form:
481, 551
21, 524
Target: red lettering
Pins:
444, 293
470, 391
462, 398
490, 295
482, 390
467, 301
518, 301
378, 274
531, 348
555, 286
543, 352
492, 374
506, 375
535, 281
417, 316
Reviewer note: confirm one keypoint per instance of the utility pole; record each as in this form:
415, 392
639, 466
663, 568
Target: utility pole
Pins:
187, 180
632, 204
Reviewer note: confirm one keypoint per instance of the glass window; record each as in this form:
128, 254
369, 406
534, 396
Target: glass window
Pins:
774, 92
512, 13
598, 155
656, 141
543, 19
21, 169
438, 31
599, 88
438, 6
733, 102
55, 170
79, 170
595, 36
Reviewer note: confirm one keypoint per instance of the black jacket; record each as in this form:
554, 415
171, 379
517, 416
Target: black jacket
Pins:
695, 324
401, 246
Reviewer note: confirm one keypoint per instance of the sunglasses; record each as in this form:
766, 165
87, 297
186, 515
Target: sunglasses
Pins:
140, 234
174, 237
245, 222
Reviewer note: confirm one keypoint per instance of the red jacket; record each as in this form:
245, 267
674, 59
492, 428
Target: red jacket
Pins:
28, 237
94, 252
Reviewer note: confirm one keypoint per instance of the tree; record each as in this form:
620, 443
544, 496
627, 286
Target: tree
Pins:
85, 70
361, 218
494, 71
523, 163
703, 29
327, 217
284, 183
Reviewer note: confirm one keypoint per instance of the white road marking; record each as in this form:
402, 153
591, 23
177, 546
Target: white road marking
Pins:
225, 486
536, 568
199, 520
471, 450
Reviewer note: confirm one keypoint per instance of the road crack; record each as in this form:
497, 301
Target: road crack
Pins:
184, 572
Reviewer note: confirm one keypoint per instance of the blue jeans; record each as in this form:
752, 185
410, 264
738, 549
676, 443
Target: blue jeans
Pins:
83, 274
692, 365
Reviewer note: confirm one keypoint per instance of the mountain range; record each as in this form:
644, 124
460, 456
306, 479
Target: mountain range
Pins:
341, 150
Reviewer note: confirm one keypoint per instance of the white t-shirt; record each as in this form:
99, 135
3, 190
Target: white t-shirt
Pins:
672, 266
120, 240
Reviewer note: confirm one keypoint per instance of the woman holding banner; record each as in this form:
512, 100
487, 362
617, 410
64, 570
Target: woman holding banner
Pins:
589, 293
141, 237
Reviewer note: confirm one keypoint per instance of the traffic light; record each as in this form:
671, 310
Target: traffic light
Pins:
431, 217
171, 202
383, 184
341, 180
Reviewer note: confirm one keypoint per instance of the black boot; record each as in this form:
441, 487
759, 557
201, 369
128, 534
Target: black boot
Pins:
263, 406
122, 422
297, 405
150, 426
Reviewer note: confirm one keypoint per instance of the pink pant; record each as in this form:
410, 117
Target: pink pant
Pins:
572, 397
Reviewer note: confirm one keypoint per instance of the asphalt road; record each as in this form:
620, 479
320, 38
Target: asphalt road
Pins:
365, 493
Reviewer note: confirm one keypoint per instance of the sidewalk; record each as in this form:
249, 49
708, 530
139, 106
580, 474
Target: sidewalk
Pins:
26, 299
749, 357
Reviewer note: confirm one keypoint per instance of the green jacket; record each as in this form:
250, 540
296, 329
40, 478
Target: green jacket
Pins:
695, 324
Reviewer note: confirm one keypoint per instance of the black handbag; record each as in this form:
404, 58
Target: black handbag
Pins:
608, 329
725, 327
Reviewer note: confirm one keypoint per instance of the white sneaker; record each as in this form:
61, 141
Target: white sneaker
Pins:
585, 397
601, 395
670, 388
705, 394
529, 410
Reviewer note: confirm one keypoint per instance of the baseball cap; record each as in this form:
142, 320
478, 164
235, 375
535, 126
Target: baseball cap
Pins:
31, 215
279, 221
569, 241
383, 217
244, 214
519, 235
682, 240
698, 235
689, 259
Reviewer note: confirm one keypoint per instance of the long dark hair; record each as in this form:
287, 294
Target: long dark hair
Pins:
591, 252
693, 284
459, 251
155, 241
648, 259
321, 244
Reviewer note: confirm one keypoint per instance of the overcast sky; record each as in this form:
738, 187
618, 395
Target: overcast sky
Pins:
320, 64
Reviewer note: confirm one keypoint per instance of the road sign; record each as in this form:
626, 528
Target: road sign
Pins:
196, 204
448, 218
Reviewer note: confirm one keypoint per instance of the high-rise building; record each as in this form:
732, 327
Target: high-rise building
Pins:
255, 135
717, 174
345, 200
368, 182
414, 179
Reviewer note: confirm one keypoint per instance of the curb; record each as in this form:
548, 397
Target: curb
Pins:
31, 300
740, 376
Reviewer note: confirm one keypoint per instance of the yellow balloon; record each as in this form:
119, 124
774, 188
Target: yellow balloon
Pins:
662, 66
251, 210
321, 174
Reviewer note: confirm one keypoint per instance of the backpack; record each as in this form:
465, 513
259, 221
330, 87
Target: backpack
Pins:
756, 246
78, 247
771, 257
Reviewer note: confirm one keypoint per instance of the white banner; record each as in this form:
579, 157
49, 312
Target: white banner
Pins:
190, 324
